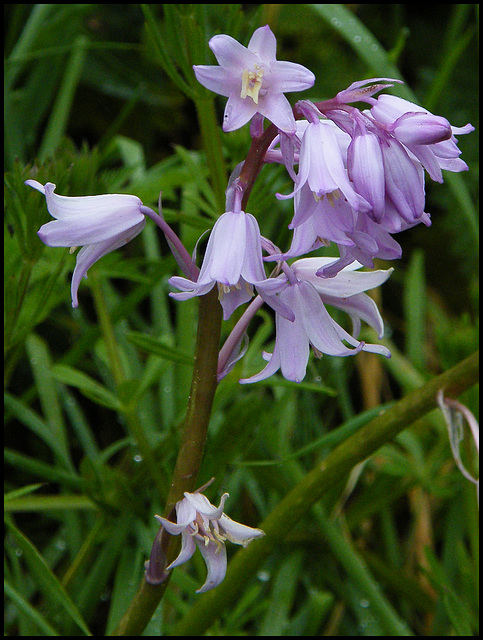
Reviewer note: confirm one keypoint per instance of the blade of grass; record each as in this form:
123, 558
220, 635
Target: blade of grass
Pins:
32, 615
61, 110
46, 580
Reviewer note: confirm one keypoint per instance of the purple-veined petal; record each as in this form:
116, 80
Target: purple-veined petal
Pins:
88, 228
366, 170
346, 283
234, 297
359, 307
404, 181
317, 322
421, 128
272, 367
252, 269
185, 515
106, 205
291, 338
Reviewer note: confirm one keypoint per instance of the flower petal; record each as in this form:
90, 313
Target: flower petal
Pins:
238, 533
188, 547
276, 108
238, 112
346, 283
216, 79
290, 76
201, 503
215, 559
226, 249
264, 44
232, 55
93, 252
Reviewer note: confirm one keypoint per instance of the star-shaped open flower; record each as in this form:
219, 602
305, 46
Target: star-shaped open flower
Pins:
205, 526
253, 80
306, 295
100, 224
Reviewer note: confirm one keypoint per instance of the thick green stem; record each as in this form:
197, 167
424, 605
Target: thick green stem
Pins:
308, 491
203, 388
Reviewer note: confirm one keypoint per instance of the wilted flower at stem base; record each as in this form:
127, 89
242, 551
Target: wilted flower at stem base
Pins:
100, 224
205, 526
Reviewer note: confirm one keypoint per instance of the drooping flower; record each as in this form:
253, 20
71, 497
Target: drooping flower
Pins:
233, 261
430, 138
253, 80
322, 165
205, 526
100, 224
306, 295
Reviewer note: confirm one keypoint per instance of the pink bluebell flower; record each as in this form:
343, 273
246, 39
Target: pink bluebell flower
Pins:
253, 80
205, 526
322, 165
233, 261
431, 139
100, 224
306, 295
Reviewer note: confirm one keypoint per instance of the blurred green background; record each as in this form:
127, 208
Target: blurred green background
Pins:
94, 104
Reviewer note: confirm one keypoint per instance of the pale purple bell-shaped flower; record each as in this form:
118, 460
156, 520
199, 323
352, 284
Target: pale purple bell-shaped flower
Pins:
100, 224
313, 326
253, 80
205, 526
233, 261
430, 138
365, 165
322, 165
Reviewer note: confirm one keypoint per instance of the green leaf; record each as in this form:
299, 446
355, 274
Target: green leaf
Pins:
46, 580
358, 36
87, 385
457, 612
32, 615
157, 347
14, 495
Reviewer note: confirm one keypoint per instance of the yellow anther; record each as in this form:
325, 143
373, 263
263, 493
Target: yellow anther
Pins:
251, 83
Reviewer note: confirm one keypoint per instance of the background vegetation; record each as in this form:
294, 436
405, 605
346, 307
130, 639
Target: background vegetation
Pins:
99, 100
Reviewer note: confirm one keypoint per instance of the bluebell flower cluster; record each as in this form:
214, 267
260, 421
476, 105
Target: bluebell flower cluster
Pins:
358, 179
